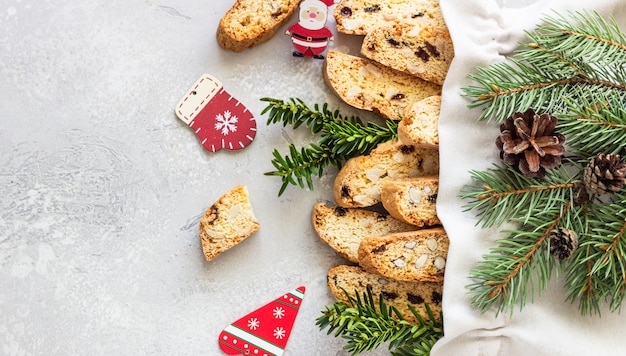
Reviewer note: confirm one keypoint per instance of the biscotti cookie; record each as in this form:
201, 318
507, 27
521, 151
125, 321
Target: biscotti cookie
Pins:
414, 256
227, 222
368, 85
401, 294
415, 48
343, 229
360, 16
412, 200
420, 123
251, 22
359, 181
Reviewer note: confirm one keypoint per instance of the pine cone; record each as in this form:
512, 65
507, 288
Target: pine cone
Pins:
605, 174
580, 194
563, 243
529, 142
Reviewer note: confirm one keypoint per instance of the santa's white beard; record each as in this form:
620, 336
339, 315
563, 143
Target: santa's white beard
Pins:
312, 24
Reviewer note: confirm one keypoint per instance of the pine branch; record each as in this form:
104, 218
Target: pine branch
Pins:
597, 124
351, 138
509, 88
341, 138
295, 112
501, 194
557, 60
519, 264
585, 35
581, 285
574, 67
607, 238
300, 166
365, 325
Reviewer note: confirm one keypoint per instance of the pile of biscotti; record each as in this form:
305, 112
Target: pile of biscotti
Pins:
383, 220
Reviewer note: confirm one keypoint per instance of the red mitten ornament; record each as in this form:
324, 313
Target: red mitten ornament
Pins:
219, 120
265, 331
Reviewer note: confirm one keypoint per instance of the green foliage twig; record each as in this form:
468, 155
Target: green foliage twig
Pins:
365, 325
341, 138
563, 56
500, 194
573, 67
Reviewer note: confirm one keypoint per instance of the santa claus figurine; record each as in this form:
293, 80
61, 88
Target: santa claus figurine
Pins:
309, 35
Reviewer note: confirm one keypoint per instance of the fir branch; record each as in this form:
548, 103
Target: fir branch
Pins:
589, 55
340, 139
501, 193
607, 239
301, 165
294, 112
512, 270
581, 285
365, 325
350, 138
574, 67
585, 35
597, 124
597, 272
506, 89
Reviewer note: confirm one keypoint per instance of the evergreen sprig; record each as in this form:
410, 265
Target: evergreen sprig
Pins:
520, 265
564, 55
594, 126
366, 324
573, 67
501, 193
341, 138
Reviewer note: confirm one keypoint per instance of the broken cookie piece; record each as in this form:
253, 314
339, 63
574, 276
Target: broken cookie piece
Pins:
229, 221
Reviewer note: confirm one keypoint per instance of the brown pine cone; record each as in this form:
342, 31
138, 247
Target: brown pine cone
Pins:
529, 142
563, 243
605, 174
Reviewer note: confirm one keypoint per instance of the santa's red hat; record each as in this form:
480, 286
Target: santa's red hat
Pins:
318, 4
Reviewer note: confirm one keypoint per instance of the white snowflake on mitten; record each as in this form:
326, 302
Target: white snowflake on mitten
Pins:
226, 122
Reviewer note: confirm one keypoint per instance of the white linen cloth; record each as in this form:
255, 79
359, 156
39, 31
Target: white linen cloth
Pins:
484, 34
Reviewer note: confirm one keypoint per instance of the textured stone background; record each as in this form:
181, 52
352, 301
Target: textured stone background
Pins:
102, 188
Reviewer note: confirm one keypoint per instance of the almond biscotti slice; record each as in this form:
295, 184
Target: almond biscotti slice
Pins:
358, 17
343, 229
414, 256
229, 221
423, 50
420, 123
251, 22
352, 280
412, 200
359, 181
371, 86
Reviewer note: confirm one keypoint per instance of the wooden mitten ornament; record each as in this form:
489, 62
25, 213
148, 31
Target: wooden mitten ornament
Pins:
218, 119
265, 331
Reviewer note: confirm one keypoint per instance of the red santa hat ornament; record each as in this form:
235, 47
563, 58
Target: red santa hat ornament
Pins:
218, 119
265, 331
318, 4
